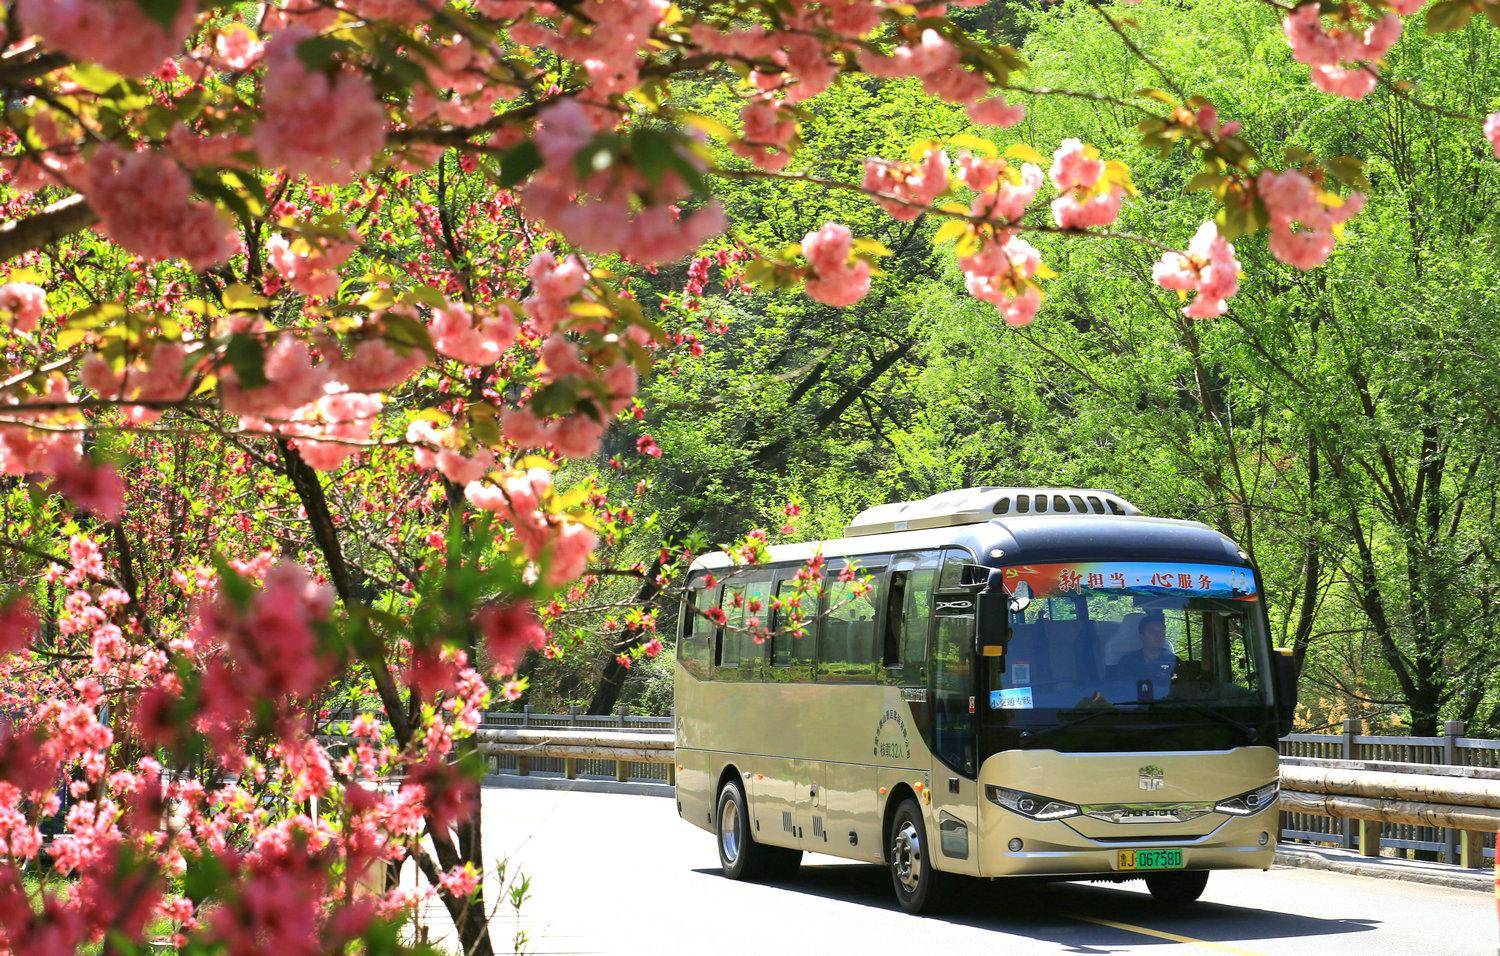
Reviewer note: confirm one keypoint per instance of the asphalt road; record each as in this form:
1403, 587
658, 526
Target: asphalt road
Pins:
622, 874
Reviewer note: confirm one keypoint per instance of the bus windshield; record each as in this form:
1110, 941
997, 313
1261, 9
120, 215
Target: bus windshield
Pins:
1131, 645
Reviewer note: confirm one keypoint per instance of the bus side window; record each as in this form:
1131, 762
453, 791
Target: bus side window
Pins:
794, 611
696, 651
732, 635
908, 614
848, 648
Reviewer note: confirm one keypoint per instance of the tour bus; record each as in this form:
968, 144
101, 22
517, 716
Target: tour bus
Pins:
1009, 682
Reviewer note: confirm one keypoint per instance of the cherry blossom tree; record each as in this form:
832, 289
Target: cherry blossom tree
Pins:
309, 304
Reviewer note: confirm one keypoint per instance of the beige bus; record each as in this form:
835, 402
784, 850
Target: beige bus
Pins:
1017, 681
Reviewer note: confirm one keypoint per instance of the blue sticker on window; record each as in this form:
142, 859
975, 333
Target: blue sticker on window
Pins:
1011, 698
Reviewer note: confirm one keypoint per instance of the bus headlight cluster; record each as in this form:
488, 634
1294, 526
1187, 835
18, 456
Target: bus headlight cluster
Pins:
1245, 804
1029, 804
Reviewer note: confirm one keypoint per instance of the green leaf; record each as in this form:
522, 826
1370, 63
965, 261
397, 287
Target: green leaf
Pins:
162, 11
950, 231
403, 330
517, 163
975, 144
1447, 16
1160, 96
1349, 170
1207, 179
240, 297
1025, 153
247, 356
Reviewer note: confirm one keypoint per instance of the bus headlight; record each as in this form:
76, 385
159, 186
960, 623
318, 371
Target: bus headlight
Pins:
1245, 804
1029, 804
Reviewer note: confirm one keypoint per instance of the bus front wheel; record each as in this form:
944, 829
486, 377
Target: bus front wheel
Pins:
1177, 889
920, 887
740, 856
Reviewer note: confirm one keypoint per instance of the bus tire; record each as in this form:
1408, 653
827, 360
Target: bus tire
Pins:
740, 856
920, 887
1177, 889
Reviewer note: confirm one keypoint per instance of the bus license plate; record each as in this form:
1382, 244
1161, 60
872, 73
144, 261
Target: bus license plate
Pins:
1150, 860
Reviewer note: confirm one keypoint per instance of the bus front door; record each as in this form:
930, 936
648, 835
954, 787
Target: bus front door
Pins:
953, 812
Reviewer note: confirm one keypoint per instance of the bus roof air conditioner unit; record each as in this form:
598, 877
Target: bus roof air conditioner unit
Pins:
977, 505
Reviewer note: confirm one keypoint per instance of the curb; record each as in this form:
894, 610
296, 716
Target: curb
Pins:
1384, 869
535, 781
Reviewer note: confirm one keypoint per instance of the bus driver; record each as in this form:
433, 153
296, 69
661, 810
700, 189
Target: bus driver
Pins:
1155, 661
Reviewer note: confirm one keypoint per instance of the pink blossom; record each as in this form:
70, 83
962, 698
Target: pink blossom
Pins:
910, 186
144, 203
996, 112
1339, 55
1208, 268
510, 630
18, 625
325, 128
1303, 218
834, 279
455, 334
236, 47
25, 302
1003, 273
309, 270
1492, 132
1010, 193
94, 488
121, 36
1087, 197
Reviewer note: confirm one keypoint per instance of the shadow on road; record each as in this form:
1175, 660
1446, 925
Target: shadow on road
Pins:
1058, 912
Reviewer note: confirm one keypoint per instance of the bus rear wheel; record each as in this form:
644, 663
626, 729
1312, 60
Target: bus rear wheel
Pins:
740, 856
1177, 889
920, 887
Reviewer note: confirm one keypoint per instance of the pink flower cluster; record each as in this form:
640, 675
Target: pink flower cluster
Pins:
910, 186
510, 630
1087, 195
121, 36
309, 267
335, 426
617, 209
325, 128
163, 372
609, 47
1208, 268
996, 112
1340, 55
1002, 191
1003, 273
1492, 132
934, 60
562, 547
268, 650
25, 302
769, 129
1303, 217
835, 277
144, 202
457, 335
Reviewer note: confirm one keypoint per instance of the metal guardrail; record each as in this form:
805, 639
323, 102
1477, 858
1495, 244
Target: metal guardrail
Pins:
1434, 794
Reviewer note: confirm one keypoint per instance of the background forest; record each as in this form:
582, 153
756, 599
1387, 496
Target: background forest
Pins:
1342, 428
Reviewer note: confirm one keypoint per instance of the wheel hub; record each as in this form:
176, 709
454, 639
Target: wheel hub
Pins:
729, 830
906, 856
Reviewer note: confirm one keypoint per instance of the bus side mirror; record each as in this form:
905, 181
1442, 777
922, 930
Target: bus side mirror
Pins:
1284, 678
990, 609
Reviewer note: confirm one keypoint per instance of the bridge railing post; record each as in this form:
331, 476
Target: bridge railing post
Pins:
622, 767
570, 764
1452, 730
1369, 837
523, 765
1346, 751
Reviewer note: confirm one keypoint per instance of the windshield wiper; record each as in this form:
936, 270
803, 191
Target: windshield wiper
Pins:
1251, 733
1032, 736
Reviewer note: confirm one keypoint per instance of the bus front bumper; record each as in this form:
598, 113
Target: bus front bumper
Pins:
1017, 846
